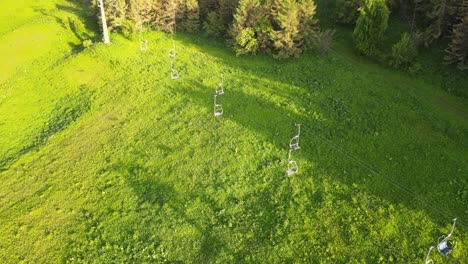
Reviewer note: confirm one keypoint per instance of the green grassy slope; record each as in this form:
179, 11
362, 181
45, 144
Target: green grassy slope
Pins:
104, 158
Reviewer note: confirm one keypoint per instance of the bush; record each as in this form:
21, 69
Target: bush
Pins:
403, 52
243, 30
246, 43
129, 29
214, 25
323, 41
415, 68
371, 26
87, 43
77, 27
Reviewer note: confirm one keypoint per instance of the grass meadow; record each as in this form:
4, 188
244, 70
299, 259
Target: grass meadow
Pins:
105, 159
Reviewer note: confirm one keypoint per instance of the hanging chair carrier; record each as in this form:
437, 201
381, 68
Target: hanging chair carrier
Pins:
294, 142
220, 86
444, 244
218, 109
174, 72
172, 53
143, 44
292, 165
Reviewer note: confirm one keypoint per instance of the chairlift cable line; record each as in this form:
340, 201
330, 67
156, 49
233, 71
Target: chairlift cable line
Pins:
424, 202
374, 171
444, 247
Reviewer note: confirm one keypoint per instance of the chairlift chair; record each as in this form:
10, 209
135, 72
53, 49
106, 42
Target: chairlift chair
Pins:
143, 44
218, 109
294, 142
292, 166
220, 86
139, 27
172, 53
444, 244
174, 74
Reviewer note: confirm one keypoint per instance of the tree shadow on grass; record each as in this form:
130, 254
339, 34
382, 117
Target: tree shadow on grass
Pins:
49, 13
81, 10
251, 112
150, 188
275, 123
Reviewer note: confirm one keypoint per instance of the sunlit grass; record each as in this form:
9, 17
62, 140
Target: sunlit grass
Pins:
139, 169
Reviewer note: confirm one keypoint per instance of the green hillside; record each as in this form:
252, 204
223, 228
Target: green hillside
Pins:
105, 159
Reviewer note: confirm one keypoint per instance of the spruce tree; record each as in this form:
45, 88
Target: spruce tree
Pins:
294, 26
286, 39
371, 26
219, 17
192, 17
457, 52
244, 31
214, 25
170, 16
436, 17
308, 24
347, 11
207, 6
226, 10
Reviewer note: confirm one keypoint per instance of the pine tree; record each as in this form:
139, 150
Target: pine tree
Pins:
192, 17
207, 6
294, 26
436, 17
457, 52
214, 25
346, 11
226, 10
308, 24
286, 39
159, 18
170, 15
245, 31
371, 26
145, 11
219, 17
115, 12
403, 52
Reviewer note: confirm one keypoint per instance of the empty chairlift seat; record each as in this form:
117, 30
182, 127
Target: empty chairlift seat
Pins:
294, 142
218, 109
172, 53
292, 168
292, 165
143, 44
